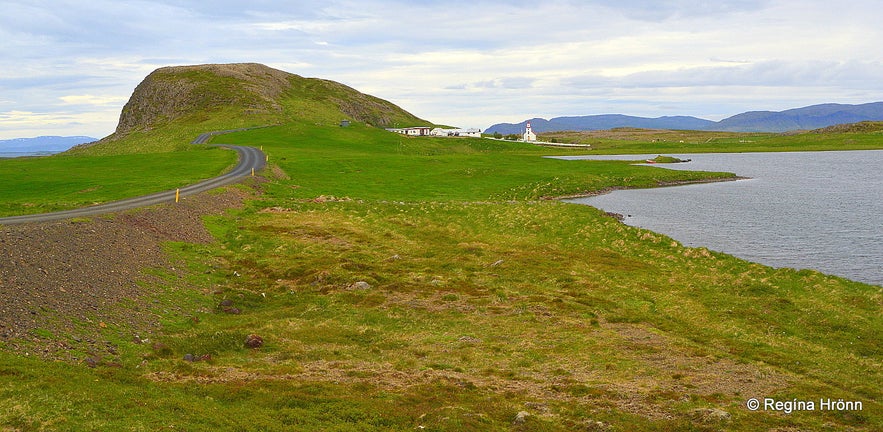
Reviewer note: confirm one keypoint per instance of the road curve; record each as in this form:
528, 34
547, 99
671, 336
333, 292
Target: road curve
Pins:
249, 158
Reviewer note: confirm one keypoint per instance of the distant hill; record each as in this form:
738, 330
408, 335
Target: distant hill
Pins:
811, 117
173, 103
602, 122
806, 118
43, 143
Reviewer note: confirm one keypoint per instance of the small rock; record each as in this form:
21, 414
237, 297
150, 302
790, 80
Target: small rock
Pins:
616, 216
225, 303
232, 310
360, 285
521, 417
189, 357
254, 341
710, 415
539, 406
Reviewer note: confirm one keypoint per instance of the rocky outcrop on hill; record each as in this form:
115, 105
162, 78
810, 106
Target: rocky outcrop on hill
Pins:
170, 93
194, 93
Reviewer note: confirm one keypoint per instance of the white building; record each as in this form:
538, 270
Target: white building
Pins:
412, 131
528, 134
471, 132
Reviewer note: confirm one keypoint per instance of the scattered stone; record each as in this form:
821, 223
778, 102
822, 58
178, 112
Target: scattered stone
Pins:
538, 406
92, 361
710, 415
189, 357
90, 271
254, 341
225, 303
521, 418
497, 263
617, 216
594, 425
469, 339
360, 285
232, 310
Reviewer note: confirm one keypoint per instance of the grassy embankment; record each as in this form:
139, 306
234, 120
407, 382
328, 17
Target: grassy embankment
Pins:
484, 301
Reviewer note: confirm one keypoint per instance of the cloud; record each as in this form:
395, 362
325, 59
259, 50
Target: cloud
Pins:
656, 11
456, 62
12, 122
89, 99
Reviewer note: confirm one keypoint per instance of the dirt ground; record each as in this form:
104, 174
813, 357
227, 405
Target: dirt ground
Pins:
66, 286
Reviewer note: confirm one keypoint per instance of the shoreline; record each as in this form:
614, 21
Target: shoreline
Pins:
610, 189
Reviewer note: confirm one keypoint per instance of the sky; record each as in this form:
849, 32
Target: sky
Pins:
68, 67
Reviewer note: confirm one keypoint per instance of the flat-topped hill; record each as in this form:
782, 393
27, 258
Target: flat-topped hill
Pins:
177, 102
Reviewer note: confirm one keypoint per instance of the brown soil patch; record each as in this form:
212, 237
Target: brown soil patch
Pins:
671, 372
66, 286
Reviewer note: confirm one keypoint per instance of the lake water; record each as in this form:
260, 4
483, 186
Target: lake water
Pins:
8, 155
817, 210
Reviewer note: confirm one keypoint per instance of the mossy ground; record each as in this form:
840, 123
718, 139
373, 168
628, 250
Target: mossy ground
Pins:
485, 300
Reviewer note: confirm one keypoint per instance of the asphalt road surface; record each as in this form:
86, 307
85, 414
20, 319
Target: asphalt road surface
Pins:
249, 158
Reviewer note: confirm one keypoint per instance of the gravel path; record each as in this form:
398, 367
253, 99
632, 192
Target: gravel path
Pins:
66, 287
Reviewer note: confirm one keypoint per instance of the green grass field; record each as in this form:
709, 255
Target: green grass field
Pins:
62, 182
863, 136
478, 300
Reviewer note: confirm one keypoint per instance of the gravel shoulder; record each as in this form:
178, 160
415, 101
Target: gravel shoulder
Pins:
66, 287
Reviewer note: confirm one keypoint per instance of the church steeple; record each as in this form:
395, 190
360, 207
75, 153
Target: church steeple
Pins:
528, 133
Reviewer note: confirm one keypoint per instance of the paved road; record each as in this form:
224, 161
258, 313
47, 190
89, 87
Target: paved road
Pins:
249, 158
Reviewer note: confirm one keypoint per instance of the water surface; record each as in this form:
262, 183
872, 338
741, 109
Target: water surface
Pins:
818, 210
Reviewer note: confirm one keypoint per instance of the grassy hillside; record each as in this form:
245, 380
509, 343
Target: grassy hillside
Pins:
423, 284
175, 104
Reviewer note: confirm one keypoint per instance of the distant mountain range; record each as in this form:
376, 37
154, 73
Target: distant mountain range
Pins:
43, 143
811, 117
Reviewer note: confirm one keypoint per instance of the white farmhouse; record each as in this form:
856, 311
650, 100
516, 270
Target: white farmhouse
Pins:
412, 131
471, 132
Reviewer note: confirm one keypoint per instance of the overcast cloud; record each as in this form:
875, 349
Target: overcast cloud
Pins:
67, 67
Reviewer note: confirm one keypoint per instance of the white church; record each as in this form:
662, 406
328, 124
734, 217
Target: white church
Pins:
528, 134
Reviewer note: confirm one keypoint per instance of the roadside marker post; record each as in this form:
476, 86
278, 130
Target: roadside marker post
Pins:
177, 194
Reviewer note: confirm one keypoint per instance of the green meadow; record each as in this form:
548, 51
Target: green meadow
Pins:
433, 284
62, 182
859, 136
